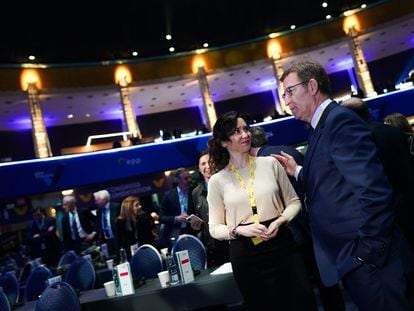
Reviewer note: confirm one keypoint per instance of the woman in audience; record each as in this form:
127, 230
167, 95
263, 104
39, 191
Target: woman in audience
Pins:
250, 203
133, 225
217, 251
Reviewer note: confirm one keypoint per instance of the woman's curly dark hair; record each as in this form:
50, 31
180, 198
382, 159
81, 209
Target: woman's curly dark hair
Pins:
224, 127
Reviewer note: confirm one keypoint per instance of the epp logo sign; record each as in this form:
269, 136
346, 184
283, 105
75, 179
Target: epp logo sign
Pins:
129, 162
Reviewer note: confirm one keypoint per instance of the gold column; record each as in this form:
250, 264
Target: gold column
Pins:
274, 52
207, 110
40, 138
129, 114
278, 71
361, 68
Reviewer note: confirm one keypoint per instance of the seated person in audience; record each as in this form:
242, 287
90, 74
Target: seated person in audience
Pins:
78, 226
133, 226
331, 297
42, 239
176, 206
116, 144
107, 213
217, 251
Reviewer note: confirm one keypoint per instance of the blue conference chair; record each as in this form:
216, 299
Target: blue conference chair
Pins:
11, 287
146, 262
196, 250
36, 283
81, 274
67, 258
25, 272
4, 302
59, 296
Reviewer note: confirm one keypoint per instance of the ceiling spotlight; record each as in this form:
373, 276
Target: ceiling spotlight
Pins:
87, 115
205, 45
324, 4
292, 27
32, 57
134, 53
363, 6
328, 16
70, 116
168, 37
171, 49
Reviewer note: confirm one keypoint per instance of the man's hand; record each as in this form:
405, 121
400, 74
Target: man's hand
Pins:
90, 237
181, 218
287, 161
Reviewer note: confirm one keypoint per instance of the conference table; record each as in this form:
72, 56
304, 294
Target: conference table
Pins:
206, 290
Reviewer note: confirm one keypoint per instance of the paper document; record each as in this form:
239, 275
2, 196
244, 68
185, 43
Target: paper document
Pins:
223, 269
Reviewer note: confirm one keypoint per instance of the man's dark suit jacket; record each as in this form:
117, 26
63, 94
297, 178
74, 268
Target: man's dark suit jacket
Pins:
88, 223
114, 209
47, 245
349, 198
393, 151
170, 207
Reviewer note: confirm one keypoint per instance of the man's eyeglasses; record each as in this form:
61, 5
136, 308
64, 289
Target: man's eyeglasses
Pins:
238, 131
289, 90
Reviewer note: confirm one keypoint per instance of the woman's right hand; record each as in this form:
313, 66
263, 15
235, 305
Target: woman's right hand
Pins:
252, 230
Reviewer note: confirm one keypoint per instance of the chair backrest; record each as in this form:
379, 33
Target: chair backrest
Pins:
196, 250
36, 283
59, 296
81, 274
146, 262
25, 272
67, 258
11, 287
4, 302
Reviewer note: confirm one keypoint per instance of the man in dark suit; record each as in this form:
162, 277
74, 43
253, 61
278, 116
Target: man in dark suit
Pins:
396, 158
42, 239
331, 297
349, 199
176, 206
106, 215
78, 226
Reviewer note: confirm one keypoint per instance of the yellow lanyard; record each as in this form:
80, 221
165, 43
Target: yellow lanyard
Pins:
249, 191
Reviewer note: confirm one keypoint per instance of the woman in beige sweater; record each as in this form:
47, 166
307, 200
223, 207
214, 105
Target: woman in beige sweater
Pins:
250, 203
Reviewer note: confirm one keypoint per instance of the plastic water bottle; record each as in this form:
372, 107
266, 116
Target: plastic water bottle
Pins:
173, 240
122, 256
173, 270
118, 291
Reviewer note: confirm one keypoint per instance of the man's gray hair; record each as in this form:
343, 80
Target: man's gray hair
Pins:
102, 194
